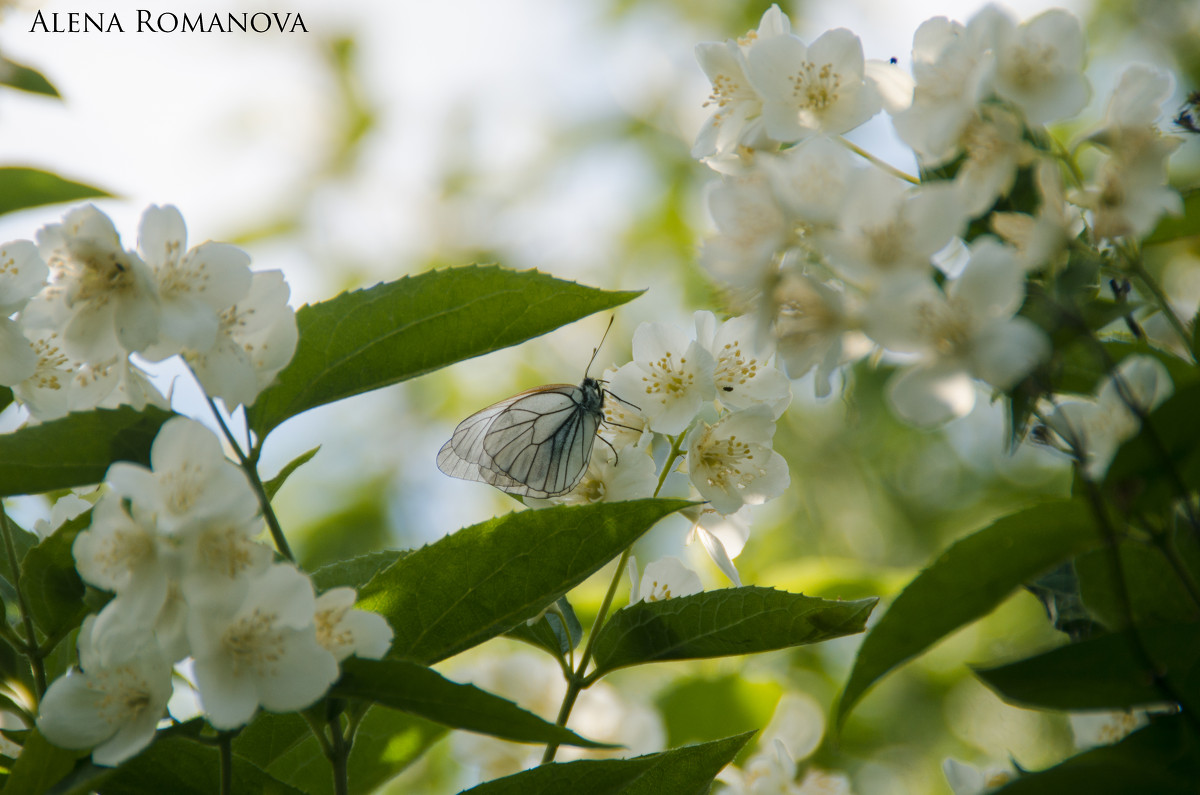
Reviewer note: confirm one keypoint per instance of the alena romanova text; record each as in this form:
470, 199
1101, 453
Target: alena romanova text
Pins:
147, 21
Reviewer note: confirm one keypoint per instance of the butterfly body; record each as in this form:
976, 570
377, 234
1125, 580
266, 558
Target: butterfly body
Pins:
536, 443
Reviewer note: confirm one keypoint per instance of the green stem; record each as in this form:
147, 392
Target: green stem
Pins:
888, 167
577, 681
31, 644
225, 745
340, 749
1138, 268
248, 466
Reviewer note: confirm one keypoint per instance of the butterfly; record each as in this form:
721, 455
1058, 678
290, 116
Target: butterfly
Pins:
535, 444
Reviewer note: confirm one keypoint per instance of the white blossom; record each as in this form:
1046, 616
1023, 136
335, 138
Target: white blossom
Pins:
745, 373
731, 462
967, 332
995, 147
1097, 428
967, 779
627, 475
722, 536
193, 285
669, 379
113, 705
1091, 729
887, 228
665, 578
737, 120
806, 90
817, 325
102, 297
125, 555
1039, 63
952, 65
190, 480
751, 229
22, 276
256, 644
255, 340
345, 631
1040, 239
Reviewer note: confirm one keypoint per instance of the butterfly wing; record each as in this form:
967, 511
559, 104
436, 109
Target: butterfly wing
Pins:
536, 444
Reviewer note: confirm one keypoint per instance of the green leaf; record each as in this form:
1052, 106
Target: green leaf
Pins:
272, 486
6, 397
22, 78
1143, 472
51, 583
391, 332
965, 583
723, 623
690, 769
21, 188
23, 541
1104, 672
1162, 758
355, 572
40, 764
385, 743
549, 633
77, 449
182, 766
1174, 227
1156, 594
421, 691
485, 579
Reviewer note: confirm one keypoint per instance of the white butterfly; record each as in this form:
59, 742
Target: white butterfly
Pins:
536, 444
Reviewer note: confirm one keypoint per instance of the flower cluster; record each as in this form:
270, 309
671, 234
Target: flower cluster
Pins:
77, 303
713, 398
843, 255
177, 545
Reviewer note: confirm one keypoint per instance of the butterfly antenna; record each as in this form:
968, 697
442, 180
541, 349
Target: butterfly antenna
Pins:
596, 350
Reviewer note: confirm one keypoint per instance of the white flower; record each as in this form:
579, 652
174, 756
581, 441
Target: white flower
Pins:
731, 463
669, 379
967, 332
1131, 192
811, 89
345, 631
751, 230
1040, 239
737, 120
114, 705
256, 644
809, 179
745, 373
255, 340
723, 537
995, 148
816, 325
190, 480
952, 66
768, 772
1039, 63
216, 551
1091, 729
193, 286
967, 779
665, 578
628, 475
65, 508
102, 297
887, 228
22, 276
1097, 428
121, 554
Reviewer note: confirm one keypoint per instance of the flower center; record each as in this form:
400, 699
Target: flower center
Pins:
816, 87
727, 462
668, 377
886, 242
253, 643
224, 551
733, 368
947, 326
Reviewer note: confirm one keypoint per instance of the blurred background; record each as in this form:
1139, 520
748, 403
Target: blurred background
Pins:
395, 137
